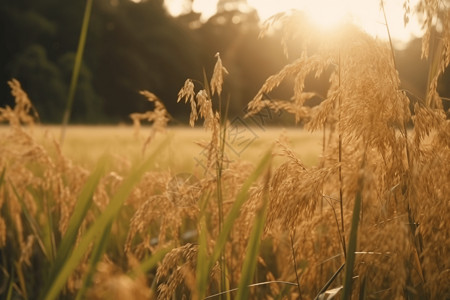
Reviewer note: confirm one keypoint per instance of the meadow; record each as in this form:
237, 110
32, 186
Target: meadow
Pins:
84, 145
350, 202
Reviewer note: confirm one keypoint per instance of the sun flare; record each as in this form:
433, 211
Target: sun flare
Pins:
366, 14
327, 14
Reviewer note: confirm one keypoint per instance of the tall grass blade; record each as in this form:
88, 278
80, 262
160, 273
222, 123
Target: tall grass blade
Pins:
240, 200
97, 253
100, 225
9, 293
46, 231
149, 263
206, 84
224, 284
203, 263
351, 249
76, 68
49, 236
2, 176
341, 200
202, 256
362, 289
82, 206
329, 282
251, 257
22, 280
297, 277
32, 222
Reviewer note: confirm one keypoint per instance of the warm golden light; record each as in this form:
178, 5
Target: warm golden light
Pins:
327, 14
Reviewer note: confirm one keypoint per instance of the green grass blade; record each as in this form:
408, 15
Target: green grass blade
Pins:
21, 279
9, 294
202, 261
235, 209
82, 206
49, 235
46, 235
149, 263
362, 289
251, 257
330, 281
350, 260
97, 253
202, 256
76, 68
2, 176
206, 84
205, 263
35, 228
100, 224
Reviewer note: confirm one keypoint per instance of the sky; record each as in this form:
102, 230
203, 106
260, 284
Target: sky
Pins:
326, 13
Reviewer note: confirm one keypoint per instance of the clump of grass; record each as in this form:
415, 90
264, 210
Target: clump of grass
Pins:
23, 111
365, 116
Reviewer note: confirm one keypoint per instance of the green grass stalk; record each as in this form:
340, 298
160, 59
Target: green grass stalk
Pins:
76, 69
84, 202
351, 255
341, 200
235, 209
297, 277
251, 257
204, 265
9, 293
96, 256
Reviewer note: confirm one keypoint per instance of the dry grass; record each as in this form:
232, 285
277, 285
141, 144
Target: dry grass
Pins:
84, 145
357, 208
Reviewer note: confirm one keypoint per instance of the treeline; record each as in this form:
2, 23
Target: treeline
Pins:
139, 46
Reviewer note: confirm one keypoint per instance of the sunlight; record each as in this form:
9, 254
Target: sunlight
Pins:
327, 14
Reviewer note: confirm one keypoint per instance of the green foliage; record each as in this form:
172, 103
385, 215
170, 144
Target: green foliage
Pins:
129, 47
43, 79
88, 106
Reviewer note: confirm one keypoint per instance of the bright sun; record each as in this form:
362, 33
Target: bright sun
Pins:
327, 13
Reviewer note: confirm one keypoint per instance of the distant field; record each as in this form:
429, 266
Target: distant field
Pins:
85, 144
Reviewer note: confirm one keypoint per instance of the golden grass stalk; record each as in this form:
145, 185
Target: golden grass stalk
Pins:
23, 111
159, 118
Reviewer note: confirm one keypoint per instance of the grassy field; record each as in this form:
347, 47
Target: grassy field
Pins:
358, 209
86, 144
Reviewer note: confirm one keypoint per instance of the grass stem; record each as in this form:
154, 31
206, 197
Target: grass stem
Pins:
76, 69
292, 235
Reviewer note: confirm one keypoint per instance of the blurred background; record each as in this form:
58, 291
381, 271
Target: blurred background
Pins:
151, 45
